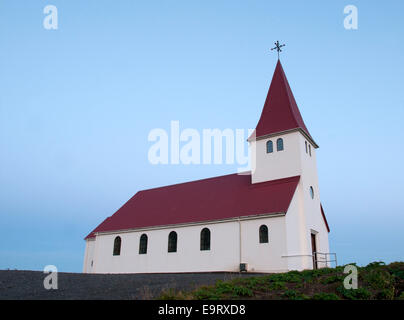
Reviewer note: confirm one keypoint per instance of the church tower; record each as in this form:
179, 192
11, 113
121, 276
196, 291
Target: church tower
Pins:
283, 147
282, 143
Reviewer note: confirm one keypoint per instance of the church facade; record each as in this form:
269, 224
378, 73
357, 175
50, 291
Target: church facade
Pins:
270, 220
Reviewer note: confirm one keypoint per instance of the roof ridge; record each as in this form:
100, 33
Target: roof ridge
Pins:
191, 181
270, 182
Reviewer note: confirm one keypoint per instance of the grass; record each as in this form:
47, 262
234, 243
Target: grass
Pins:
376, 281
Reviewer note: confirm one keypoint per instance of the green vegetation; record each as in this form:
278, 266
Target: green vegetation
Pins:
294, 295
375, 281
325, 296
357, 294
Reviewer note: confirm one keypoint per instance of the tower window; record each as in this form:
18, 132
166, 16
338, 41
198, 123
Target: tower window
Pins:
270, 146
311, 192
279, 144
310, 149
117, 246
143, 244
205, 239
172, 242
306, 145
263, 234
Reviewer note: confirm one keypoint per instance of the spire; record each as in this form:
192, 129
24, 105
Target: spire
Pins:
280, 112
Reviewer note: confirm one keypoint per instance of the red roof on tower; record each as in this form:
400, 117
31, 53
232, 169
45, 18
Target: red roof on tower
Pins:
212, 199
280, 112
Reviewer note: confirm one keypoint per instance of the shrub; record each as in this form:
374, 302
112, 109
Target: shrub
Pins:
278, 285
223, 287
399, 274
325, 296
242, 291
386, 294
396, 269
375, 264
307, 275
255, 283
294, 295
206, 293
332, 279
292, 276
378, 279
354, 294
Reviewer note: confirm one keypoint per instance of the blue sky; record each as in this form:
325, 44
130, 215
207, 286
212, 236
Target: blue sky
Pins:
77, 105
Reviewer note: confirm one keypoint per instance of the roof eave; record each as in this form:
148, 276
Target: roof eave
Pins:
266, 136
187, 224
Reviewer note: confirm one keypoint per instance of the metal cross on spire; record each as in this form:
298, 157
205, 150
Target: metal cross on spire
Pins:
278, 47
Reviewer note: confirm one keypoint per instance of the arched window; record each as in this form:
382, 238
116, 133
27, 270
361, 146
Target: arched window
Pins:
310, 149
279, 144
205, 239
117, 246
270, 146
143, 244
263, 234
311, 192
172, 242
306, 145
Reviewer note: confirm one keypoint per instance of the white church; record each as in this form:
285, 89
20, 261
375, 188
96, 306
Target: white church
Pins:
271, 220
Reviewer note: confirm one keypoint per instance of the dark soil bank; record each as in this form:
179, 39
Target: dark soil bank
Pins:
29, 284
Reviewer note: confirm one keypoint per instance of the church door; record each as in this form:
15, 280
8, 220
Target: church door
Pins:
314, 250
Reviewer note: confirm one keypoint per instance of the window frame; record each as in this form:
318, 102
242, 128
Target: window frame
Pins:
172, 242
279, 144
263, 234
205, 239
271, 145
117, 246
143, 242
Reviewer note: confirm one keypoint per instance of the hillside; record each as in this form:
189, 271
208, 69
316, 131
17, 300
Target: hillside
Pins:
375, 281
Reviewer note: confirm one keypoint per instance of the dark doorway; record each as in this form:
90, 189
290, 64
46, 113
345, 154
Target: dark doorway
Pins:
314, 250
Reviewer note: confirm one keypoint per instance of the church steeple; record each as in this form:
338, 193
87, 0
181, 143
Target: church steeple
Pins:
280, 113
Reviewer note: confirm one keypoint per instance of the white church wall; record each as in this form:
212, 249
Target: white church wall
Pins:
264, 257
298, 254
277, 164
304, 215
224, 254
314, 220
89, 256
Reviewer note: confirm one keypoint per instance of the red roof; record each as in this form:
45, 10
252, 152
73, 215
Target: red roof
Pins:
280, 112
218, 198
